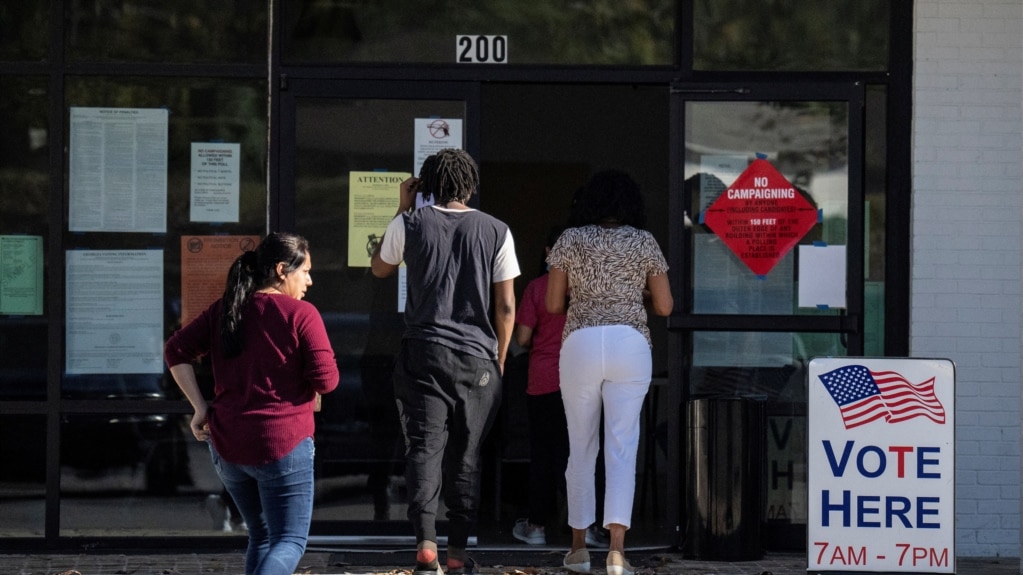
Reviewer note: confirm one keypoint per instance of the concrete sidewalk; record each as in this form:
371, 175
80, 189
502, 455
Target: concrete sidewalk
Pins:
361, 561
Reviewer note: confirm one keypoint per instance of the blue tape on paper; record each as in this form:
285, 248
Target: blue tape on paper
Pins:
820, 216
823, 306
820, 244
701, 218
761, 156
761, 278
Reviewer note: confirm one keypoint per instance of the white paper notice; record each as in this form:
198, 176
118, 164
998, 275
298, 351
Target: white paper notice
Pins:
21, 275
718, 172
215, 177
433, 135
114, 311
402, 288
118, 172
822, 276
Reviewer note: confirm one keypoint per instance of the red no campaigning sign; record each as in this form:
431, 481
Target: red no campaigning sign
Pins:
760, 217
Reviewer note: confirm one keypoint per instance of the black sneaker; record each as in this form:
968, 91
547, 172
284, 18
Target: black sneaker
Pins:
597, 536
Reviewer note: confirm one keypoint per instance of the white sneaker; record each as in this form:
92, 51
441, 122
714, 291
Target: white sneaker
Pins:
529, 534
578, 561
618, 565
220, 515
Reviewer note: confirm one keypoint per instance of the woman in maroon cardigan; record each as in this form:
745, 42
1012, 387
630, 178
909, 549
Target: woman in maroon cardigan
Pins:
271, 357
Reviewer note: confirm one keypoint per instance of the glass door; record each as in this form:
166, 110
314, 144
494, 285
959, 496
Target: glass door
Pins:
771, 266
346, 147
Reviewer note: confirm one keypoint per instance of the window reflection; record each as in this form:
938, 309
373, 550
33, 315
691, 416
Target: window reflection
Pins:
24, 161
22, 475
763, 365
124, 452
23, 360
807, 143
24, 30
790, 35
200, 110
767, 370
228, 31
125, 472
24, 215
598, 32
876, 188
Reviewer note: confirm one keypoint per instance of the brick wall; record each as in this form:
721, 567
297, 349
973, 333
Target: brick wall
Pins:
966, 245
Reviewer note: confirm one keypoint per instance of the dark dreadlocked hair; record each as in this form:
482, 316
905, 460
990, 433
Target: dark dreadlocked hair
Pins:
609, 195
253, 271
450, 175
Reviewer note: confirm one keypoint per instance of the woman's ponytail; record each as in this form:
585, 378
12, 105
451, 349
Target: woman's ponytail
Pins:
241, 283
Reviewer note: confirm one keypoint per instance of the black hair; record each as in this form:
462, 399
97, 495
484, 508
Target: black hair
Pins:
253, 271
450, 175
553, 233
610, 196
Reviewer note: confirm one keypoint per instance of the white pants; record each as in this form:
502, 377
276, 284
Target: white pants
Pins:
605, 367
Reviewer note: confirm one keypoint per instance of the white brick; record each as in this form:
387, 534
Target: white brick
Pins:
966, 243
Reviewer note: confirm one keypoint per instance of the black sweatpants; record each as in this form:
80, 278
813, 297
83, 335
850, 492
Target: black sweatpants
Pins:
548, 455
447, 402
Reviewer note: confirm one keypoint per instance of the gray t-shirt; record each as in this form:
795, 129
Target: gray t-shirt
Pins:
452, 259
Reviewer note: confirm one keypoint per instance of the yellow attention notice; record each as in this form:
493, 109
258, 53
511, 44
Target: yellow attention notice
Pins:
372, 201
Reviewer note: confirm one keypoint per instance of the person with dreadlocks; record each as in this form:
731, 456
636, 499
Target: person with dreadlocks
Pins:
459, 318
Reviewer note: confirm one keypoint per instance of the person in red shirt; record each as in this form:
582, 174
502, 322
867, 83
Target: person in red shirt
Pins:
541, 333
548, 431
271, 357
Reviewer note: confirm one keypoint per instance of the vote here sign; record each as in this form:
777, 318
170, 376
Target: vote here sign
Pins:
881, 465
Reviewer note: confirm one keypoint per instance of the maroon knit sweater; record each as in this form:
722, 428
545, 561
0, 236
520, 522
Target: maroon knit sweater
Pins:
263, 398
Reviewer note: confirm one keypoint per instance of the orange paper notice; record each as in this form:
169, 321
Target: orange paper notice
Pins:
205, 261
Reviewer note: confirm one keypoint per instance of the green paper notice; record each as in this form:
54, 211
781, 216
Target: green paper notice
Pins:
21, 275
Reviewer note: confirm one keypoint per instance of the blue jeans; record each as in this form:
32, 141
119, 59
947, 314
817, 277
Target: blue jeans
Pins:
276, 501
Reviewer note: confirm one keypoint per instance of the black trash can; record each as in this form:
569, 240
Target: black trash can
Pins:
725, 468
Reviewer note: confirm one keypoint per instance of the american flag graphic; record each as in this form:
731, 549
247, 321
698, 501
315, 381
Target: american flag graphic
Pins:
864, 396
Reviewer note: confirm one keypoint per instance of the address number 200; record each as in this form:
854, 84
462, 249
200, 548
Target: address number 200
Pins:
481, 49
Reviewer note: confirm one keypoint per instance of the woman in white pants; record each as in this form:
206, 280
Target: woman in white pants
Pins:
614, 271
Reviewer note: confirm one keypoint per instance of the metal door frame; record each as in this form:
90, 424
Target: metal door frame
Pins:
683, 323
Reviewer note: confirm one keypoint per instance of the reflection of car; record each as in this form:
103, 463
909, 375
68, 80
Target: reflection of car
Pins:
96, 442
91, 443
359, 420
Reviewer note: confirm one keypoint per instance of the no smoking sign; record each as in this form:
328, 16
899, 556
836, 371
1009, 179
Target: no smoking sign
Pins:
760, 217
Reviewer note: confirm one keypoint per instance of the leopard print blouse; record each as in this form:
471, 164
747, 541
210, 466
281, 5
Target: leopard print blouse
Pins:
607, 269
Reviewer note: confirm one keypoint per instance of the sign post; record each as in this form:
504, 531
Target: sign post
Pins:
881, 465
